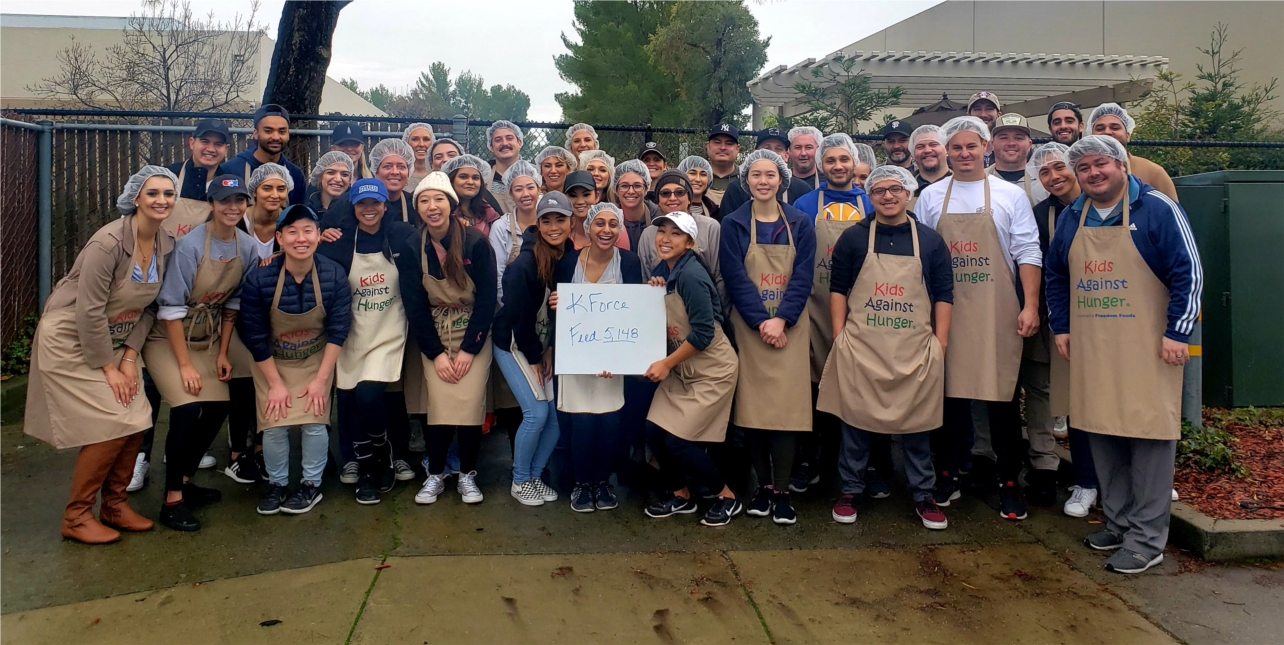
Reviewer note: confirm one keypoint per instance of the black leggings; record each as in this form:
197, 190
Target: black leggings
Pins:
952, 444
439, 438
154, 398
192, 429
242, 418
679, 459
362, 422
594, 438
772, 452
398, 421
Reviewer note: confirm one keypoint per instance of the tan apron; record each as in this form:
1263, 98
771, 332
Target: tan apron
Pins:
237, 353
984, 353
827, 233
501, 396
376, 342
298, 344
1059, 368
886, 373
1119, 385
214, 282
69, 403
587, 393
993, 171
187, 213
694, 402
462, 403
774, 391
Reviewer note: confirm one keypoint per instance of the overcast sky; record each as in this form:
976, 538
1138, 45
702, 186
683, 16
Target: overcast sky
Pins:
508, 41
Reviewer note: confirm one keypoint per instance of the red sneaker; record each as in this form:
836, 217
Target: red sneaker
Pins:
845, 510
931, 514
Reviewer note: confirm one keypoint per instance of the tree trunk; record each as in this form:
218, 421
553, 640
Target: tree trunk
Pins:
302, 55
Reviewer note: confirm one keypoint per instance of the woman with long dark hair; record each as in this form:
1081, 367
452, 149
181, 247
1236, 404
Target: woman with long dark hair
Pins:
468, 176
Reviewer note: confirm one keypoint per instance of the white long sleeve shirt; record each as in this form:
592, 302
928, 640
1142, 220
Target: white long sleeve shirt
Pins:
1013, 218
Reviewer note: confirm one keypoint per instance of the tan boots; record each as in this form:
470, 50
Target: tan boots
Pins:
105, 466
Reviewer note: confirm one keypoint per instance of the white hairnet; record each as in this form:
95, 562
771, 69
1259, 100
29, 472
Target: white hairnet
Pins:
1097, 144
598, 155
502, 125
469, 161
1115, 110
522, 168
837, 140
1046, 154
924, 131
865, 155
445, 140
125, 203
556, 151
405, 134
598, 208
271, 171
891, 171
808, 131
578, 127
634, 166
329, 159
964, 124
759, 155
391, 147
693, 162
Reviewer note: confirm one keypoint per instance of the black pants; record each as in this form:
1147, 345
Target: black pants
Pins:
192, 429
952, 444
679, 459
363, 424
772, 452
439, 439
594, 438
242, 418
819, 449
880, 457
398, 420
154, 398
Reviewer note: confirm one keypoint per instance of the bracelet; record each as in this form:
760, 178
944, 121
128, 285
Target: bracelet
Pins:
128, 360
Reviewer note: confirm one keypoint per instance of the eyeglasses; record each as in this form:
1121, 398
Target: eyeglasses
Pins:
896, 191
680, 192
631, 188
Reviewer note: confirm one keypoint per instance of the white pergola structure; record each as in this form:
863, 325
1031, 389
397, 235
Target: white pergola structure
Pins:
1028, 84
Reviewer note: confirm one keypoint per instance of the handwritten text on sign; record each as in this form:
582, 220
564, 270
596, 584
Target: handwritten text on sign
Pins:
617, 328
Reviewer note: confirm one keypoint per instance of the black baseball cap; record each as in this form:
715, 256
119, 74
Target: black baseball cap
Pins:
224, 186
652, 146
294, 213
212, 126
897, 127
773, 133
1065, 105
580, 178
347, 132
727, 129
270, 109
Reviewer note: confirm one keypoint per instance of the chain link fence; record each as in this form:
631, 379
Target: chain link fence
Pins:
18, 226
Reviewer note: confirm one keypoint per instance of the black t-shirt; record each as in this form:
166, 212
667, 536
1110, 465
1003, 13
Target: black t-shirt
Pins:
853, 244
923, 182
1011, 176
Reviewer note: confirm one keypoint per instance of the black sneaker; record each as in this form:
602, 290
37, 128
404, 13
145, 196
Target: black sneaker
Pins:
1104, 540
1128, 561
179, 517
672, 505
243, 470
983, 477
947, 489
760, 505
262, 465
783, 510
273, 498
1011, 506
876, 486
582, 499
804, 478
722, 511
367, 490
385, 477
302, 500
604, 498
199, 495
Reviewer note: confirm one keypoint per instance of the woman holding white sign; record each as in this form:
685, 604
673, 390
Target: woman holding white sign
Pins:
697, 379
591, 404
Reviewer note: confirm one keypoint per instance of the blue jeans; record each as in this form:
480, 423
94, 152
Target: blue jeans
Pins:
276, 452
537, 436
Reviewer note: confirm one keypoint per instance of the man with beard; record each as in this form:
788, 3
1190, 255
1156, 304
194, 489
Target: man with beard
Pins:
804, 141
1065, 122
1113, 121
1011, 145
504, 139
271, 133
896, 144
721, 148
929, 157
772, 139
985, 106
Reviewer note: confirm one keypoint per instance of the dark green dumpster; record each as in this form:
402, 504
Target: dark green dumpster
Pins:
1238, 220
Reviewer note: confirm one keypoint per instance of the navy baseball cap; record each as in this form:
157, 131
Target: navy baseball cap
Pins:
727, 129
773, 133
345, 132
270, 109
369, 188
224, 186
212, 126
294, 213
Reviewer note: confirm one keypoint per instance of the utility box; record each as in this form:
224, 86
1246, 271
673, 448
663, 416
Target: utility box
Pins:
1237, 217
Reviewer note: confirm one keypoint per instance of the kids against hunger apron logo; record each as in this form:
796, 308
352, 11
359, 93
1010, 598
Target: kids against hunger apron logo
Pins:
886, 300
969, 265
1090, 305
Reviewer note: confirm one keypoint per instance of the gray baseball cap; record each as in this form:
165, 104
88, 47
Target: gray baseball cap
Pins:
553, 202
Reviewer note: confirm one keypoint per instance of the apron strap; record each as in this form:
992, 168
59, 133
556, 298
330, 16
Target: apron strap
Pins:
914, 235
280, 282
945, 202
820, 205
1127, 212
423, 253
987, 197
182, 170
405, 210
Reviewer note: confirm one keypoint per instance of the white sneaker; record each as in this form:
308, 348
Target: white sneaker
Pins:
469, 493
1175, 497
526, 493
433, 487
1080, 502
140, 474
350, 474
546, 492
208, 461
404, 472
1060, 429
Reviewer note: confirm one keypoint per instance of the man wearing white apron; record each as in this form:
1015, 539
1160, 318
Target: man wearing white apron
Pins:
1124, 287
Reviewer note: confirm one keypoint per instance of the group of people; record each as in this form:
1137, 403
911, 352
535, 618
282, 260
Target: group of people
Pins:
822, 310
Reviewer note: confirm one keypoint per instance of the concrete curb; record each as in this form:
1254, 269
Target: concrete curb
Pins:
1221, 540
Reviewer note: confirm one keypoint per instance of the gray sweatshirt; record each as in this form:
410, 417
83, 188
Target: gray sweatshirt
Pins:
181, 269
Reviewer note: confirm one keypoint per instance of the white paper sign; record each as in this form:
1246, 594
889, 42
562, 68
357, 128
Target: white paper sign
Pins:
616, 328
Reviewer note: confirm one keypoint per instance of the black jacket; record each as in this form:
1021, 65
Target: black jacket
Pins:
194, 179
523, 293
341, 210
296, 298
479, 264
341, 250
737, 195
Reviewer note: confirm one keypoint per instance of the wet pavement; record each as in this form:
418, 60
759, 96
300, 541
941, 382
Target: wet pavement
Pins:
500, 572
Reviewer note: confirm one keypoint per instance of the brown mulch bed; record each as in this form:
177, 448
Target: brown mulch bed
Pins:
1259, 449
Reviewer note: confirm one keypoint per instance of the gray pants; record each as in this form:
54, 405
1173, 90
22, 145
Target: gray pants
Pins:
1136, 478
1035, 377
853, 455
